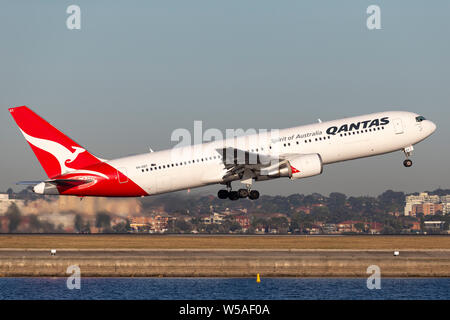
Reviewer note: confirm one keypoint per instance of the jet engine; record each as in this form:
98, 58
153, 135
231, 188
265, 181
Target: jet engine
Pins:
301, 166
306, 165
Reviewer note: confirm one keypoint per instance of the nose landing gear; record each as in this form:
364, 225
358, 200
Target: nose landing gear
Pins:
408, 150
407, 163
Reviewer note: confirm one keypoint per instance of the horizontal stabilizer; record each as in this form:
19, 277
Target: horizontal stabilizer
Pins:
28, 183
52, 186
56, 182
68, 182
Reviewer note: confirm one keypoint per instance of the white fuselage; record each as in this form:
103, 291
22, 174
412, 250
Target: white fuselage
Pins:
200, 165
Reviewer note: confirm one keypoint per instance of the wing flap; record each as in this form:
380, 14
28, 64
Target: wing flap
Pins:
237, 161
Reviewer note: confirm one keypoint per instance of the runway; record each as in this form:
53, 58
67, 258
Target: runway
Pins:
224, 262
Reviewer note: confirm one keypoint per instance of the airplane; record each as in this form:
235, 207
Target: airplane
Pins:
295, 153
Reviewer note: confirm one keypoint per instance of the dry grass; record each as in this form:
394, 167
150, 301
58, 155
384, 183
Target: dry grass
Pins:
222, 242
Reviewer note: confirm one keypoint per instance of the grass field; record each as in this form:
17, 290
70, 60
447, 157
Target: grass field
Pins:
222, 242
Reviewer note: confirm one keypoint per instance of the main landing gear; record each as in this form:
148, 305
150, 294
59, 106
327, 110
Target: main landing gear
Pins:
235, 195
408, 150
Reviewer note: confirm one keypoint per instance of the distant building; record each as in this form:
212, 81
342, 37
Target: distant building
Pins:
216, 218
413, 204
315, 229
152, 224
374, 227
159, 224
434, 225
445, 204
243, 221
427, 208
329, 228
140, 224
347, 226
260, 229
350, 226
415, 226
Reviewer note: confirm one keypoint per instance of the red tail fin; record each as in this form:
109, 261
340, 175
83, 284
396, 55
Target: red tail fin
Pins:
56, 152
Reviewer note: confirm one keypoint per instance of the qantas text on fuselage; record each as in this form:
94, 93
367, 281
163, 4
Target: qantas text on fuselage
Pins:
295, 153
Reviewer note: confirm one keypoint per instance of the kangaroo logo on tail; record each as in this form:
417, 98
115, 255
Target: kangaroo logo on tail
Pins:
61, 153
75, 154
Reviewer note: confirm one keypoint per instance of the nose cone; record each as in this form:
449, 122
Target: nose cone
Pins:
431, 127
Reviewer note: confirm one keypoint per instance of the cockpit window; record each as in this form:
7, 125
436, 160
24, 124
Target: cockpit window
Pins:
420, 118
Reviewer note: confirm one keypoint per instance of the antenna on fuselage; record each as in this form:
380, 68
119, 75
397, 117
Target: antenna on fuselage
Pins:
320, 121
151, 150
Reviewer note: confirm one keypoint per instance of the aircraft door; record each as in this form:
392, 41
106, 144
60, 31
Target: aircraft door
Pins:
398, 126
122, 175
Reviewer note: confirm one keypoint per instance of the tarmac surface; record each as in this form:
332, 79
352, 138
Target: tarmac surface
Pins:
210, 253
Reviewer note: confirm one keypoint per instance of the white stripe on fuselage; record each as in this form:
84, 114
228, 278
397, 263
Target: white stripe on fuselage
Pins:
211, 171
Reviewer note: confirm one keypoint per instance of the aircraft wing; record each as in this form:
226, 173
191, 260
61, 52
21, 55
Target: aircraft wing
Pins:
237, 161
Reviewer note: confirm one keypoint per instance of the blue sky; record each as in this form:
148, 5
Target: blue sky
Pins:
137, 70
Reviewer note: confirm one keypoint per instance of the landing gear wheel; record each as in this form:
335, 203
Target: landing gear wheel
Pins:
407, 163
253, 195
222, 194
233, 195
243, 193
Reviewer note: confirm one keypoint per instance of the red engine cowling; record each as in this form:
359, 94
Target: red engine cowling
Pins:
306, 165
